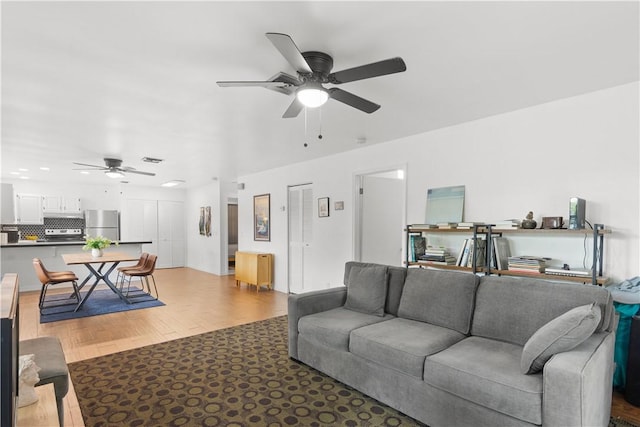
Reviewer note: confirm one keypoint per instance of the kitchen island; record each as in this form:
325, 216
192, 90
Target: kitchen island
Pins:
18, 257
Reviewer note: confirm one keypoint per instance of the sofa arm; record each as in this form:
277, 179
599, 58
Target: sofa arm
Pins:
578, 384
312, 302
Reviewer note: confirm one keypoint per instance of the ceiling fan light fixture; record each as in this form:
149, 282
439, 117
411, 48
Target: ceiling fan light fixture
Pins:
114, 174
312, 95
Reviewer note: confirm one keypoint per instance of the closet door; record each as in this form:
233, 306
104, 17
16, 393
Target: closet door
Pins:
171, 234
300, 237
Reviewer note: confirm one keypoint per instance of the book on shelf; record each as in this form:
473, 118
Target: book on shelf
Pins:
501, 247
461, 252
417, 247
423, 226
443, 260
476, 252
468, 244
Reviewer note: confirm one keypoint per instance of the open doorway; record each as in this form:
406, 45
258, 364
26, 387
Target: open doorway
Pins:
380, 216
232, 236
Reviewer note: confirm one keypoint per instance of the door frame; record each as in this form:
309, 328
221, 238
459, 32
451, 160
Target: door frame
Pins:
358, 178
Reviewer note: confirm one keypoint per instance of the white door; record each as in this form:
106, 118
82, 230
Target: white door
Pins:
139, 222
300, 237
171, 234
381, 217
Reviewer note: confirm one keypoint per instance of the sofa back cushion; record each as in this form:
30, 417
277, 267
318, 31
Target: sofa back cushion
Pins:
512, 309
442, 298
367, 289
396, 276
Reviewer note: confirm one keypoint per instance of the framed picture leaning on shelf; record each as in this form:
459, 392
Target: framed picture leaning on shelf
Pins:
262, 217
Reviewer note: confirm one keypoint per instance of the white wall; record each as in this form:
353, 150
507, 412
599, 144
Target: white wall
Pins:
203, 253
532, 159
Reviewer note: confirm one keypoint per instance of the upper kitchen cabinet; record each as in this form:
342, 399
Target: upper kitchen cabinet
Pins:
29, 209
7, 211
61, 205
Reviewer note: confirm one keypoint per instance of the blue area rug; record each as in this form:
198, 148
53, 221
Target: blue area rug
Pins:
103, 301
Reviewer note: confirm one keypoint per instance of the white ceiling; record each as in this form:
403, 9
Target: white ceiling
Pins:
85, 80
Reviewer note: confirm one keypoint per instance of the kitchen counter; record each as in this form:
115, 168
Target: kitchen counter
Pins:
18, 257
33, 243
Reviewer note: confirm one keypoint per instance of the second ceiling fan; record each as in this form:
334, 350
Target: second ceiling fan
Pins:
314, 70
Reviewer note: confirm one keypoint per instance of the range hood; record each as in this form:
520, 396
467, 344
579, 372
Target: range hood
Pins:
63, 215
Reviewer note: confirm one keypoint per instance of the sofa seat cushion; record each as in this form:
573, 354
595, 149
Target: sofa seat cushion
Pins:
487, 372
331, 328
401, 344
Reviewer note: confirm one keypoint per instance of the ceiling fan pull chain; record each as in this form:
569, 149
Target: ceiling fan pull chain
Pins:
306, 118
320, 126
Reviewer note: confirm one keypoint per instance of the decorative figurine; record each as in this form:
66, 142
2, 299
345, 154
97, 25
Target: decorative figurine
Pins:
27, 379
529, 222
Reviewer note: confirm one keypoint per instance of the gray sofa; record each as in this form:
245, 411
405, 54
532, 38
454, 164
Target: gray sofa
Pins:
451, 348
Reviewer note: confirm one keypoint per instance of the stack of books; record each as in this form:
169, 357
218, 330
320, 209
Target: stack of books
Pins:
508, 224
438, 255
574, 272
447, 225
469, 225
527, 264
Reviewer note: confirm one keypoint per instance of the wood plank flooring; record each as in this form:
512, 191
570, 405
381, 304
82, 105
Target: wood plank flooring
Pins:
196, 302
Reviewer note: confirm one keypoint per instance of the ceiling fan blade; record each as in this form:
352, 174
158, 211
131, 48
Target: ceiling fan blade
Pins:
138, 172
293, 110
252, 83
353, 100
84, 164
375, 69
285, 78
290, 51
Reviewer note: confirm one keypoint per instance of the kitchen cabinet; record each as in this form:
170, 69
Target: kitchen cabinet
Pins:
29, 209
61, 205
7, 214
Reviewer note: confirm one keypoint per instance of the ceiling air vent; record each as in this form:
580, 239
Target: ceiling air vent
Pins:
151, 160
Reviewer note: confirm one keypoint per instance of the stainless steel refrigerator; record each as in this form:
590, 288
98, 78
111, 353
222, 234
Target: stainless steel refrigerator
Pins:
102, 223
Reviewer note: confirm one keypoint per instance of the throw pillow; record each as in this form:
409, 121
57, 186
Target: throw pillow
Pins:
367, 289
560, 334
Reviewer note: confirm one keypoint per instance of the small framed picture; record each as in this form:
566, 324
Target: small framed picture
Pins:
338, 206
323, 207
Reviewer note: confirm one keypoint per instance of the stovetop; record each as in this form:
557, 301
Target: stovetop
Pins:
63, 234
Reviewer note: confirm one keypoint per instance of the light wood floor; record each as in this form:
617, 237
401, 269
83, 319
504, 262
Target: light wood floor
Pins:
196, 302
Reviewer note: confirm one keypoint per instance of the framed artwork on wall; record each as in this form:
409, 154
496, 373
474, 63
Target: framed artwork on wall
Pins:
262, 217
323, 207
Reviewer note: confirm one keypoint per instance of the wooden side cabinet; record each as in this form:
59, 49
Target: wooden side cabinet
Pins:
254, 268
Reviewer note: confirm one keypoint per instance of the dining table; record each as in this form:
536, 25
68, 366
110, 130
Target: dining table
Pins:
112, 259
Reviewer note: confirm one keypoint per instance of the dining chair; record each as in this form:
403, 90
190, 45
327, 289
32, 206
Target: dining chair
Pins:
140, 264
143, 272
48, 278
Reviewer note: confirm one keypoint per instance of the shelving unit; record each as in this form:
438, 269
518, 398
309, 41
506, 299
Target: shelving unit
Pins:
597, 236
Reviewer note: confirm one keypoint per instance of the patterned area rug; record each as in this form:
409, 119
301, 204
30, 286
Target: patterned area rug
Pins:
233, 377
240, 376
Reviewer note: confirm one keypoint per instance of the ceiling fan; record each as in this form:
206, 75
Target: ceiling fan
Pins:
113, 168
314, 70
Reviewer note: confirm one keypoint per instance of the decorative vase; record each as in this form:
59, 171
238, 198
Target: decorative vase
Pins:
96, 253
